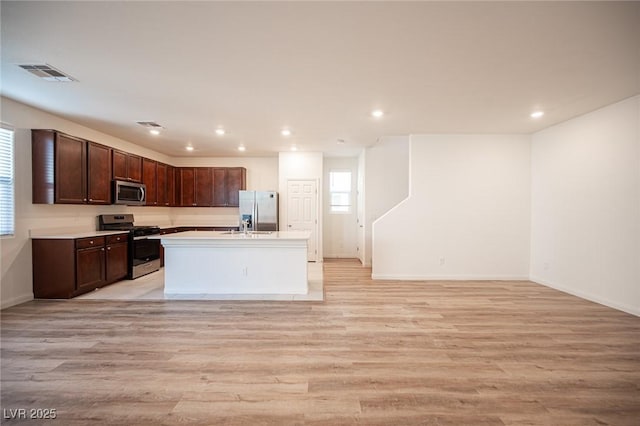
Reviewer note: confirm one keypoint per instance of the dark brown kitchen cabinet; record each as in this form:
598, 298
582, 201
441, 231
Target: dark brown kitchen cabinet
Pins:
65, 268
127, 166
150, 179
171, 186
204, 186
116, 258
195, 186
209, 186
166, 185
186, 186
227, 181
161, 182
59, 168
69, 170
98, 174
90, 263
70, 180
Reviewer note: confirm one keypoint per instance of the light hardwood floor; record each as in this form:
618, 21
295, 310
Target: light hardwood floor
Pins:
373, 353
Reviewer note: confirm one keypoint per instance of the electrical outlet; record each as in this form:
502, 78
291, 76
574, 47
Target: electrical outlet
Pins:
442, 261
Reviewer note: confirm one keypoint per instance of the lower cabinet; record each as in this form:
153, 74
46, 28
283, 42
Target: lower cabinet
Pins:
90, 271
65, 268
116, 261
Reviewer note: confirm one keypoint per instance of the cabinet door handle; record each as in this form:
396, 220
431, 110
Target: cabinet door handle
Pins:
91, 242
90, 199
108, 248
102, 249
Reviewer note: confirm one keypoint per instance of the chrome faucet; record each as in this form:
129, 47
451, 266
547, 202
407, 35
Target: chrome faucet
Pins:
245, 226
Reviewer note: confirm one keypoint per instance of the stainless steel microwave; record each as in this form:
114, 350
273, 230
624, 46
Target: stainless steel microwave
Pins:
129, 193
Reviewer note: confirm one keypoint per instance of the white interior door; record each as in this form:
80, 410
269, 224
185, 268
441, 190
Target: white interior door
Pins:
302, 211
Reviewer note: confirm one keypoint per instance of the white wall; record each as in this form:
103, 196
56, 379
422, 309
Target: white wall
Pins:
586, 206
386, 182
301, 165
15, 252
340, 229
469, 205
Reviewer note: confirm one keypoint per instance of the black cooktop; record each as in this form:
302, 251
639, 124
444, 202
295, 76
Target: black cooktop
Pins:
124, 222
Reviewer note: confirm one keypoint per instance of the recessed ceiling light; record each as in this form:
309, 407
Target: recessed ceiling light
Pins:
294, 148
154, 132
286, 132
241, 148
189, 148
377, 113
537, 114
220, 132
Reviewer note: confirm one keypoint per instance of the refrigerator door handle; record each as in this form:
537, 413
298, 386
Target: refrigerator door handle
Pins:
255, 215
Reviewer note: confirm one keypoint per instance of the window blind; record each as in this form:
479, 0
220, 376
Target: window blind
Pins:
7, 199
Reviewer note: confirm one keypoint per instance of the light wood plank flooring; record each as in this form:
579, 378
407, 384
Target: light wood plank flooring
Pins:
373, 353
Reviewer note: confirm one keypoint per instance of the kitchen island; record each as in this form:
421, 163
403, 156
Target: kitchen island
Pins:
209, 262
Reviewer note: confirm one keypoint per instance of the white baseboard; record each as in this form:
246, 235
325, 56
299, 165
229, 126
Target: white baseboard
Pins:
449, 277
597, 299
16, 300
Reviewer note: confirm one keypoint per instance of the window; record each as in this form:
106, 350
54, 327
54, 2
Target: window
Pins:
6, 182
340, 191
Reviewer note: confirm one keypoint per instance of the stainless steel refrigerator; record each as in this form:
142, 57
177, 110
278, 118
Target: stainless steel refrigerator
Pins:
259, 210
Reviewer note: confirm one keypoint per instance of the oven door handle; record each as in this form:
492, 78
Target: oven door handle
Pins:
142, 237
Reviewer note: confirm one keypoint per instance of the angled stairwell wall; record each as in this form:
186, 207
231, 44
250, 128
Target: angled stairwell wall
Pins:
468, 213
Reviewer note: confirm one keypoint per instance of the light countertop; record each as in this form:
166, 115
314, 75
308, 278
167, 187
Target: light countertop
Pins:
219, 235
52, 235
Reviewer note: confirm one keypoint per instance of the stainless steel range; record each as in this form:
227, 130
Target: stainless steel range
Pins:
144, 253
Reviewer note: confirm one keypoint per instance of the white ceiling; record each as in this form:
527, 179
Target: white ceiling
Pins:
318, 68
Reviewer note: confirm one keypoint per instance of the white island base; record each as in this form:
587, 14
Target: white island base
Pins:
204, 263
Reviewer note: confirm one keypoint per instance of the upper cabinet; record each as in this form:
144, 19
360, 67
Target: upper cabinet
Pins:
98, 173
227, 182
150, 179
185, 187
194, 186
165, 185
127, 166
69, 170
204, 186
209, 187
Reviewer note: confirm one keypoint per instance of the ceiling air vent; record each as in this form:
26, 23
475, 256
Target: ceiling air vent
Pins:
47, 72
149, 124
